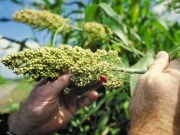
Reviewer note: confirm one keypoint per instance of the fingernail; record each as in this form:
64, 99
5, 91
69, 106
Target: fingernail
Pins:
94, 96
161, 54
103, 78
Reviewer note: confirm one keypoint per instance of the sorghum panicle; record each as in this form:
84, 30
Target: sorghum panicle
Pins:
49, 63
42, 20
96, 31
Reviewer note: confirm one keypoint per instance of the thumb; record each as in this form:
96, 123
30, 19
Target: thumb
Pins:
160, 63
59, 84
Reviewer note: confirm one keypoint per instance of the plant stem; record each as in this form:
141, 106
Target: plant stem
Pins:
131, 71
55, 35
76, 28
59, 29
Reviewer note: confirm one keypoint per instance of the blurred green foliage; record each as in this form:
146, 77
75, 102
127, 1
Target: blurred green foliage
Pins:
13, 92
174, 5
138, 34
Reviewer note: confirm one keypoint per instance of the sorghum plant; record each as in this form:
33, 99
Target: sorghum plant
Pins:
53, 22
96, 31
42, 20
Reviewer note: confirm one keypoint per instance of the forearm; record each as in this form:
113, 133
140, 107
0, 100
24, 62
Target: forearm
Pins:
153, 126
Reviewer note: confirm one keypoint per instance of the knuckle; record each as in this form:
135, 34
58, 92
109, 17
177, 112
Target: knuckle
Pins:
173, 73
149, 80
176, 61
142, 78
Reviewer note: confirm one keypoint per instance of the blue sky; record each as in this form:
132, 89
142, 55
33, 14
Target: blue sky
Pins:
18, 31
21, 31
12, 29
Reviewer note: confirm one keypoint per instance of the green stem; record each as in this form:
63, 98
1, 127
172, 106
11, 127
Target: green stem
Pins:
59, 29
76, 28
55, 35
131, 71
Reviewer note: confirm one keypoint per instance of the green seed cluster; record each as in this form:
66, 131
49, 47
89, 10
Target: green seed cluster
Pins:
96, 31
49, 63
42, 20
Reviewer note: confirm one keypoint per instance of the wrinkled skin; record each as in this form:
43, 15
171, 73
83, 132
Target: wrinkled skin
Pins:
155, 103
47, 108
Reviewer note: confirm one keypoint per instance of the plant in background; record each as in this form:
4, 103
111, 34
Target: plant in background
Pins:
96, 32
42, 20
174, 5
93, 31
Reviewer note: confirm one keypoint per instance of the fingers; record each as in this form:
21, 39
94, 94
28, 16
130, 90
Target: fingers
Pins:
175, 64
160, 63
87, 100
173, 69
72, 102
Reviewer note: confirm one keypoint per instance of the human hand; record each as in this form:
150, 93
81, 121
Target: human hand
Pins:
155, 104
47, 108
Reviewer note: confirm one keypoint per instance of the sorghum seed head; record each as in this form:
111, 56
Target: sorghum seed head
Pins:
96, 31
85, 65
42, 20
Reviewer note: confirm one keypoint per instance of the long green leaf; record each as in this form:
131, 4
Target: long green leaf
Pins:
174, 51
143, 63
111, 13
91, 12
119, 28
135, 11
162, 27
